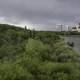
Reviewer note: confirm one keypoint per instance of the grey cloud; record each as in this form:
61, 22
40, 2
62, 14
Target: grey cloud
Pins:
44, 12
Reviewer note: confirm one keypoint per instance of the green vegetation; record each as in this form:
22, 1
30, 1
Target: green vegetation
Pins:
68, 33
32, 55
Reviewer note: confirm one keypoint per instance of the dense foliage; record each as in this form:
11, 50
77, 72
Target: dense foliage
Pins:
68, 33
32, 55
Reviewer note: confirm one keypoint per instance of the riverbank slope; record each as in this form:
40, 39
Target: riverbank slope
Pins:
31, 55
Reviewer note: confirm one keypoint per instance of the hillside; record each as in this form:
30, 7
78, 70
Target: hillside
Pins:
33, 55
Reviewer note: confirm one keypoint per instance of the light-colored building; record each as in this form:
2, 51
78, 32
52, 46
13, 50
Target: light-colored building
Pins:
74, 29
78, 29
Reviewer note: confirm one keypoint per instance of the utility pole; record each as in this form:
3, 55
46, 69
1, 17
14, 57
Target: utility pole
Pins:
25, 27
61, 27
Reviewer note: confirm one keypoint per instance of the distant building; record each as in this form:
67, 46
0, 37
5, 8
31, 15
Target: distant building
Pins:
74, 29
78, 29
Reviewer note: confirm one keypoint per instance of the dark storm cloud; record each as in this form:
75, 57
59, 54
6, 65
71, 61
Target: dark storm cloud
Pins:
43, 12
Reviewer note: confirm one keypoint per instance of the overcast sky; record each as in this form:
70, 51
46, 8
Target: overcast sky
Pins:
45, 13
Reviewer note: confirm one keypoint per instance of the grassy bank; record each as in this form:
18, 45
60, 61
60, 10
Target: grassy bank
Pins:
32, 55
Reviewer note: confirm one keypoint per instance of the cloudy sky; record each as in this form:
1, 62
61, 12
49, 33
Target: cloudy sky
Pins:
44, 13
